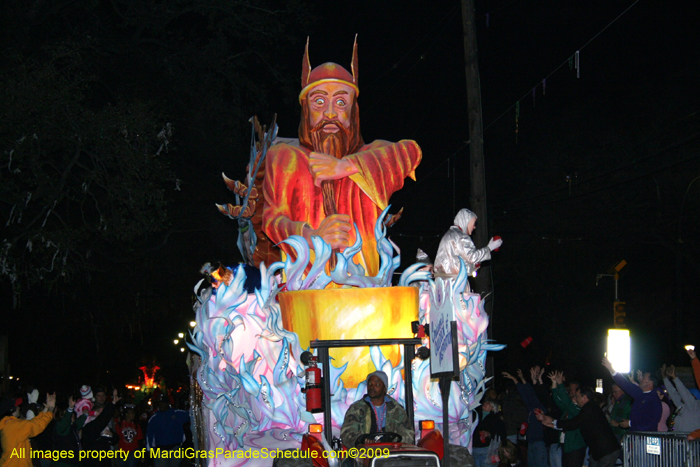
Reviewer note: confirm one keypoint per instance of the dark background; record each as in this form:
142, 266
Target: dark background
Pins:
601, 169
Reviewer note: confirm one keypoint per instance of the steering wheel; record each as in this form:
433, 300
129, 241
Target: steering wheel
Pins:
379, 437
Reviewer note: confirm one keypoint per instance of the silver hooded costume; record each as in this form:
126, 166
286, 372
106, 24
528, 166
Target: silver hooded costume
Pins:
455, 244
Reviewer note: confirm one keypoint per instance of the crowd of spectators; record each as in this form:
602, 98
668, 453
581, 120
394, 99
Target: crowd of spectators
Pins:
547, 420
90, 429
543, 420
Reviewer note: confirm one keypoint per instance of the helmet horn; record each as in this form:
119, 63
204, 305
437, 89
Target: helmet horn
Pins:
305, 66
354, 63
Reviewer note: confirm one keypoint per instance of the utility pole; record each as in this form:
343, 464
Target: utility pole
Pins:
477, 195
477, 174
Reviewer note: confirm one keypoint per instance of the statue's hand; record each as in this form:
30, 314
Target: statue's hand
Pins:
334, 230
324, 167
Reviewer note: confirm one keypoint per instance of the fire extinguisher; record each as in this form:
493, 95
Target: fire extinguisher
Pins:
313, 387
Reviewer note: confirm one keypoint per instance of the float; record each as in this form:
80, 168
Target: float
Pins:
323, 200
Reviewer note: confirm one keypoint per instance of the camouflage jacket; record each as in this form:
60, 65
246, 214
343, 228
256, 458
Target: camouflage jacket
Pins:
360, 419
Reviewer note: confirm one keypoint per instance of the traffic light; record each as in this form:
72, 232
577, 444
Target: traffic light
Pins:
619, 315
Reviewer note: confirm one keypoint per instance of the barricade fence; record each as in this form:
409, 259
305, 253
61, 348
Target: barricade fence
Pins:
658, 449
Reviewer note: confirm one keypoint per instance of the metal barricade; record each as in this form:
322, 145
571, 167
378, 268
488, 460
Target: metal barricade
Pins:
657, 449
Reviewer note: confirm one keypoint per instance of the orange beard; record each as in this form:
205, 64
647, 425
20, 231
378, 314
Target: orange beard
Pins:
333, 144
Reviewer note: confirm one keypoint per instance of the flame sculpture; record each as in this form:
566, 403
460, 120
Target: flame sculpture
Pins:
251, 376
149, 374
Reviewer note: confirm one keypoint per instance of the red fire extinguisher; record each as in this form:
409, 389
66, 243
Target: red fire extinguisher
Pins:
313, 387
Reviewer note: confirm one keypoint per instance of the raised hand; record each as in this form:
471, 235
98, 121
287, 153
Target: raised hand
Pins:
560, 377
520, 375
507, 375
115, 397
495, 244
691, 353
50, 402
533, 375
671, 372
552, 375
630, 377
606, 363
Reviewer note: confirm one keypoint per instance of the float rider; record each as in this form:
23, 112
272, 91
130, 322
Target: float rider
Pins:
457, 243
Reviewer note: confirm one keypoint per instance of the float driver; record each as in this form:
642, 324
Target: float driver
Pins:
376, 417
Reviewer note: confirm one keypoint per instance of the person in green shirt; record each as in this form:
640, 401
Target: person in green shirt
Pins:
620, 411
574, 449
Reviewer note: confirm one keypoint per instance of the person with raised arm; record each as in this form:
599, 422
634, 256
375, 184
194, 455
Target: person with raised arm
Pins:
536, 450
695, 363
96, 436
457, 244
687, 406
15, 432
574, 450
66, 436
646, 408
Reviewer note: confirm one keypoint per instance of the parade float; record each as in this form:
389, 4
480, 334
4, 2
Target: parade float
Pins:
313, 216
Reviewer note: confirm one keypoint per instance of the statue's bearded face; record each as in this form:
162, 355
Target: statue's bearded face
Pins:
332, 127
330, 102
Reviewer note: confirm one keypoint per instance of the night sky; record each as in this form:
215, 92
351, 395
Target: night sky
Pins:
601, 169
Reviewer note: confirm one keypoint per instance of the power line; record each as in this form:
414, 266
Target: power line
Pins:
521, 98
655, 170
617, 169
566, 61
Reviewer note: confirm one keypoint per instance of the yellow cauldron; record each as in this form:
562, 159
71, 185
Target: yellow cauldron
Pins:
355, 313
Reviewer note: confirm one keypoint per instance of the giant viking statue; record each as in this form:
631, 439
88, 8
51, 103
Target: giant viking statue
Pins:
330, 185
333, 180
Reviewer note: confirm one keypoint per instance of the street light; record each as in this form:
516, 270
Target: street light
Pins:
193, 324
182, 349
180, 335
176, 341
619, 349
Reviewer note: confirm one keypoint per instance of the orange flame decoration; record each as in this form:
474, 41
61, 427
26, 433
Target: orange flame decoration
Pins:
149, 374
